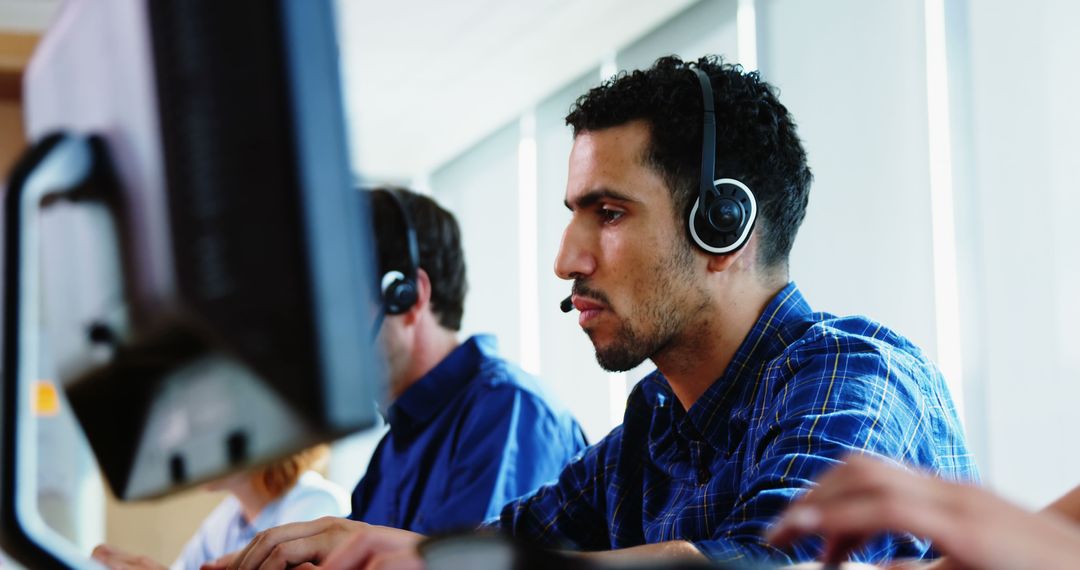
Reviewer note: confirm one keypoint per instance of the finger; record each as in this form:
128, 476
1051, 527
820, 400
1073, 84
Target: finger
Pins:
837, 551
359, 551
221, 563
136, 563
939, 564
287, 554
902, 497
796, 522
353, 553
256, 552
912, 565
859, 474
105, 553
846, 525
111, 557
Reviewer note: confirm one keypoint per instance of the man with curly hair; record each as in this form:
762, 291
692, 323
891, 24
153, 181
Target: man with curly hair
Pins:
754, 393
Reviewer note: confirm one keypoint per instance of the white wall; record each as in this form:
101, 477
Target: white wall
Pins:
853, 75
705, 27
1021, 197
27, 15
481, 188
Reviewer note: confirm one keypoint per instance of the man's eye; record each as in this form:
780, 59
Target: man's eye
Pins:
608, 215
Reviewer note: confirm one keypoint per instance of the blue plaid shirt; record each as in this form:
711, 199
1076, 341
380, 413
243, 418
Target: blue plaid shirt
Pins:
804, 390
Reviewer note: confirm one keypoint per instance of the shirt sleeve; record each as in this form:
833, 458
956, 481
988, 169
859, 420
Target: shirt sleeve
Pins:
198, 550
567, 513
831, 401
192, 555
510, 443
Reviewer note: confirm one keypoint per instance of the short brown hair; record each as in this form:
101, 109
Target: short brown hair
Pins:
277, 478
438, 238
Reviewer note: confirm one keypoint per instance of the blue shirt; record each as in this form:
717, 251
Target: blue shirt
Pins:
474, 433
803, 390
226, 530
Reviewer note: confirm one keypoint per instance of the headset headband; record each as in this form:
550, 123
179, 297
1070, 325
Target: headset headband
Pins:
708, 144
410, 234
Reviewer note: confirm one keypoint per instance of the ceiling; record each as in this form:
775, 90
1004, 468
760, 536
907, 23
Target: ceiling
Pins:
424, 79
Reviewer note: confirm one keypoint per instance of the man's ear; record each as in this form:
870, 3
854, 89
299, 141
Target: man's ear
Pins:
725, 261
423, 297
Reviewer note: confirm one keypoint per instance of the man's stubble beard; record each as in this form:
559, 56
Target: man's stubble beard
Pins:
652, 327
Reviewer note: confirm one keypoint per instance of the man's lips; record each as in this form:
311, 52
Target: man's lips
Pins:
587, 309
586, 304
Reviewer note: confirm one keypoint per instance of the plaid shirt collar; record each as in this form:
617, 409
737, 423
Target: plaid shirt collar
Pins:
728, 400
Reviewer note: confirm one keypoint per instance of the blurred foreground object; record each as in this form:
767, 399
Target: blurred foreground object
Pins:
184, 230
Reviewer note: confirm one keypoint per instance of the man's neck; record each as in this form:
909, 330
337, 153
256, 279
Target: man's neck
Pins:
693, 361
432, 345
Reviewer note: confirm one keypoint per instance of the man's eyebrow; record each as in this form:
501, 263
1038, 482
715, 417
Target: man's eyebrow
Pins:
592, 197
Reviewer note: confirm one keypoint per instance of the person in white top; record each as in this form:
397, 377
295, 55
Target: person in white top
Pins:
283, 492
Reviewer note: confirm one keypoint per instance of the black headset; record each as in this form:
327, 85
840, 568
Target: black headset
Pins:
399, 292
725, 210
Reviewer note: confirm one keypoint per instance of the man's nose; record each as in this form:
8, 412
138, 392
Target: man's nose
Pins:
575, 258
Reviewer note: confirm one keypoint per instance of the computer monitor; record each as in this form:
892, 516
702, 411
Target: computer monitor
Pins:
185, 232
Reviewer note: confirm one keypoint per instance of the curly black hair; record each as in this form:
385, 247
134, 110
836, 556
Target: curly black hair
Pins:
438, 237
756, 140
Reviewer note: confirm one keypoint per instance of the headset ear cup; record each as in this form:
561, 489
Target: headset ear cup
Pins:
399, 293
723, 225
404, 297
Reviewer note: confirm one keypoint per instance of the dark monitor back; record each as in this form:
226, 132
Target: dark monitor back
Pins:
208, 290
